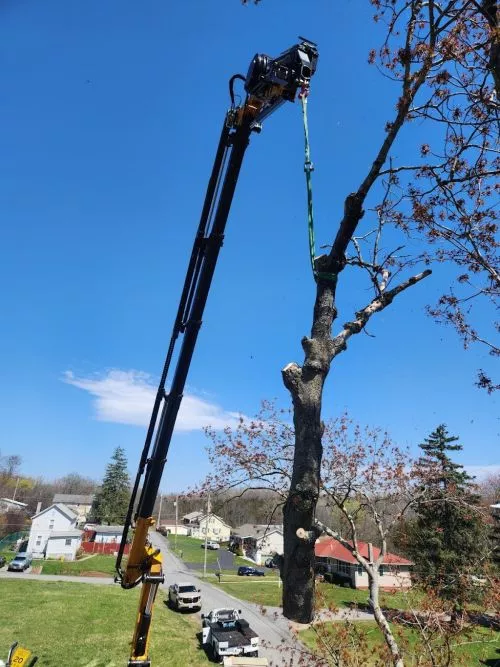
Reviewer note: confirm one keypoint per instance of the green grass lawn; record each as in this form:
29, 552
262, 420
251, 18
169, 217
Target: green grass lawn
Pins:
86, 625
331, 594
191, 548
261, 591
478, 644
97, 565
8, 554
193, 552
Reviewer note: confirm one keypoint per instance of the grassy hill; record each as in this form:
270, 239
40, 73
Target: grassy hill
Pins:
85, 625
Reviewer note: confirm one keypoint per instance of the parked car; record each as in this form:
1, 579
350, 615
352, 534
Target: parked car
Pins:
271, 562
3, 560
247, 571
20, 563
184, 595
211, 545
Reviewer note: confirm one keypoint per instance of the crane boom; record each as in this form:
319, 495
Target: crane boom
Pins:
268, 84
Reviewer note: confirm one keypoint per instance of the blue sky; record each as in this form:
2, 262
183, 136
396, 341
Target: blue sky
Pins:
110, 115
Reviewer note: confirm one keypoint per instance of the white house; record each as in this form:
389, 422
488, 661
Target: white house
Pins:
173, 529
55, 524
10, 505
394, 573
80, 504
63, 544
259, 540
104, 534
210, 526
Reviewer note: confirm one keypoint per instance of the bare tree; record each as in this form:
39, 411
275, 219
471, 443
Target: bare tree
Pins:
363, 475
438, 55
371, 483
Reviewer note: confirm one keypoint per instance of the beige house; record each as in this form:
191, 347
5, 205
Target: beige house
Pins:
80, 504
210, 526
338, 561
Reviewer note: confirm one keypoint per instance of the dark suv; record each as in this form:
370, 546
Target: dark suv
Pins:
246, 571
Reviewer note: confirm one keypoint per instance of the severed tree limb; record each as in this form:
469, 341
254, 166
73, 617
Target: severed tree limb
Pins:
375, 306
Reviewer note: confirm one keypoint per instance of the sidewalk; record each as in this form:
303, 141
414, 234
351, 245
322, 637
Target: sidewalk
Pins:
56, 577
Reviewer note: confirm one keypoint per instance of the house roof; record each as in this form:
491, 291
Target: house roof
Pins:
192, 515
107, 529
73, 499
215, 517
331, 548
13, 502
71, 532
61, 507
258, 530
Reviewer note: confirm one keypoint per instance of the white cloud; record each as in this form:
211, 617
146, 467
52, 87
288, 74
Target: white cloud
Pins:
126, 397
483, 471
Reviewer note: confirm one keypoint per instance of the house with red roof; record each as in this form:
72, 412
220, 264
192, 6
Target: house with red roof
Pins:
395, 571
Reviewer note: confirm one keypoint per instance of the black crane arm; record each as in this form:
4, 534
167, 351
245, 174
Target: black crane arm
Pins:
269, 83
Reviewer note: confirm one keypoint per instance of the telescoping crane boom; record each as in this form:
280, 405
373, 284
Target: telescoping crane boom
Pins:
269, 83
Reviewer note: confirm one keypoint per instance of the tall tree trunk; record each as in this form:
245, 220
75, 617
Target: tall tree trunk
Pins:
306, 387
382, 623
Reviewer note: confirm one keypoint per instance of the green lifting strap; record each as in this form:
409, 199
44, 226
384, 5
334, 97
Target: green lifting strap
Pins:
308, 168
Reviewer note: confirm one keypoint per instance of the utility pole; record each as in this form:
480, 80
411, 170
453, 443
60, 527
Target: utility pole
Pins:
15, 490
159, 511
206, 538
176, 505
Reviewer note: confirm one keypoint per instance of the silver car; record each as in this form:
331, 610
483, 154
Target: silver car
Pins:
20, 563
184, 595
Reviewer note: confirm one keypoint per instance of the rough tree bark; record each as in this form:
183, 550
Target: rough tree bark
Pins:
305, 384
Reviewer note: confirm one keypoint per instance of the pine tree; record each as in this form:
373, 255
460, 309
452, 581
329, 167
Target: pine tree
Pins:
495, 536
448, 538
112, 499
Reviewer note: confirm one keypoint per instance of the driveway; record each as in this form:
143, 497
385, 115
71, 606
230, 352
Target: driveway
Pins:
225, 558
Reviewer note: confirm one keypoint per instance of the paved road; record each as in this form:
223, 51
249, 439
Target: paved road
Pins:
272, 628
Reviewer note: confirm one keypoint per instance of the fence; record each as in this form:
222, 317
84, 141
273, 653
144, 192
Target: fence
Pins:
106, 548
9, 541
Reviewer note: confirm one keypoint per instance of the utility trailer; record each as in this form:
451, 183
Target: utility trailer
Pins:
225, 634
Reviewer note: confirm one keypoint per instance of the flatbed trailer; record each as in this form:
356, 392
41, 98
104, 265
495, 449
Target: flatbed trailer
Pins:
225, 634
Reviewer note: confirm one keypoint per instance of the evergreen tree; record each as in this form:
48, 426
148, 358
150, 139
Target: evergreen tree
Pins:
111, 501
495, 536
447, 540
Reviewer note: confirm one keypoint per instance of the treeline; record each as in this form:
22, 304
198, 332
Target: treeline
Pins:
236, 507
32, 490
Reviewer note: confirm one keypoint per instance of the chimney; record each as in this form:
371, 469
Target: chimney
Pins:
370, 552
38, 507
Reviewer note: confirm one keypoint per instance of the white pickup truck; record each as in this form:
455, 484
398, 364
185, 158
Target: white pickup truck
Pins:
224, 633
184, 595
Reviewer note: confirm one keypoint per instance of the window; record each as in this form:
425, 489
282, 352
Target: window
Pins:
67, 542
38, 540
51, 524
382, 571
343, 568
